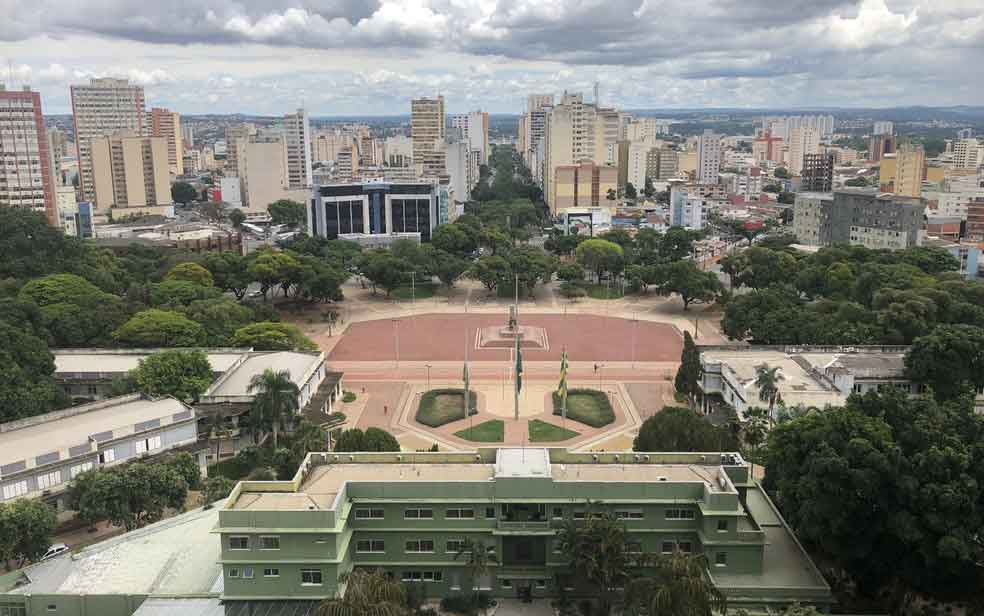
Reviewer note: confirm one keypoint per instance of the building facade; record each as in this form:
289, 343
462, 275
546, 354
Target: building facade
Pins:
428, 132
708, 157
812, 213
860, 217
27, 179
910, 170
101, 109
817, 174
297, 141
130, 172
374, 211
167, 124
584, 185
803, 141
687, 208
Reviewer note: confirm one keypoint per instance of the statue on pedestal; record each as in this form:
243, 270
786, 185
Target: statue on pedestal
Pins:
513, 320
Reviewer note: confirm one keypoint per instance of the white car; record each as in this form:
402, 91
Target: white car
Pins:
55, 550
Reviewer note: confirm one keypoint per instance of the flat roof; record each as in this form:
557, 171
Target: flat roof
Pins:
236, 381
175, 556
522, 462
638, 473
797, 385
60, 430
124, 360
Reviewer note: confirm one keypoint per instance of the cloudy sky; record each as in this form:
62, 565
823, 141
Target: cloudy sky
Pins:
339, 57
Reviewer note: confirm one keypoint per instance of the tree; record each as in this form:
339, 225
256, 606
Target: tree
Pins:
177, 293
229, 272
449, 268
352, 439
130, 496
571, 273
237, 218
600, 256
611, 195
74, 312
159, 328
734, 265
27, 385
678, 585
689, 373
185, 465
287, 212
692, 283
677, 243
479, 559
217, 488
367, 593
630, 191
191, 272
596, 550
275, 397
270, 336
220, 317
26, 526
308, 437
679, 429
183, 193
856, 183
490, 270
377, 439
767, 381
184, 375
948, 360
271, 268
454, 239
384, 270
781, 173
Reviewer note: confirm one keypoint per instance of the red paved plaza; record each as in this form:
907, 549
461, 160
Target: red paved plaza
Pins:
442, 337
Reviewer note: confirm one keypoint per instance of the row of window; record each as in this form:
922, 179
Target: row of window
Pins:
266, 542
415, 546
419, 513
247, 572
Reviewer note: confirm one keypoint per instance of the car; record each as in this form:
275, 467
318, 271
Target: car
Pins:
55, 550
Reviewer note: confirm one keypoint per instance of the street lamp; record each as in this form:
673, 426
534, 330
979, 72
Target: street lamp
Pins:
396, 330
428, 366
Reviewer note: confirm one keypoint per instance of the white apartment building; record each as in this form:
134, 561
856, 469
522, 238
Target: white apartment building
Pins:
297, 140
708, 157
802, 141
100, 109
883, 128
687, 208
968, 154
638, 154
398, 151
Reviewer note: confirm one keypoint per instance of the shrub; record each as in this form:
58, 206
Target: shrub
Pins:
588, 406
348, 397
432, 414
261, 474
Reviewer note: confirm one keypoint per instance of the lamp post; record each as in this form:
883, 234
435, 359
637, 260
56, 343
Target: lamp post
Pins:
396, 333
428, 366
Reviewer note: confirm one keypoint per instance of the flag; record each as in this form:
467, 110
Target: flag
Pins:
519, 367
562, 387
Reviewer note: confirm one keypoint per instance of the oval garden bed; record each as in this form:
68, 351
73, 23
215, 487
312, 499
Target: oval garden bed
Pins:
442, 406
587, 406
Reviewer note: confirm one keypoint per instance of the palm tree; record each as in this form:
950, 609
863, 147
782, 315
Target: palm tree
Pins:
678, 586
276, 396
754, 430
367, 593
596, 548
216, 426
479, 563
767, 380
308, 437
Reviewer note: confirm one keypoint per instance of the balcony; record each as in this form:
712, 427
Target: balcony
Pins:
524, 526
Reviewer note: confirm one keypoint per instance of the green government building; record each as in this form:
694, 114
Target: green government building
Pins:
287, 542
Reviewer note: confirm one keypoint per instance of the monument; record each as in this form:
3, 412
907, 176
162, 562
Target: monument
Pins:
498, 337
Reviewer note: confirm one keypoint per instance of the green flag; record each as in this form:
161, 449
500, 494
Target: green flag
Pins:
519, 367
562, 387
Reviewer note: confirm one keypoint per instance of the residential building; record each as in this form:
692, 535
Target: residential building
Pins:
767, 148
662, 163
167, 124
968, 254
637, 158
817, 174
910, 170
235, 139
263, 170
860, 217
192, 161
328, 143
231, 190
59, 148
398, 151
347, 163
975, 219
803, 141
462, 169
968, 154
812, 213
374, 213
26, 176
427, 130
72, 221
100, 109
531, 133
297, 141
883, 128
474, 130
42, 454
188, 136
687, 207
645, 130
583, 185
708, 157
130, 173
879, 145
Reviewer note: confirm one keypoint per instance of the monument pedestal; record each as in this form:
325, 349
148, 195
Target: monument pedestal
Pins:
497, 337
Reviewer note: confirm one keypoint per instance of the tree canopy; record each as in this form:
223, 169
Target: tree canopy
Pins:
184, 375
677, 428
287, 212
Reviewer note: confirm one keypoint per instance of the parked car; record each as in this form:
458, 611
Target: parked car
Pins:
55, 550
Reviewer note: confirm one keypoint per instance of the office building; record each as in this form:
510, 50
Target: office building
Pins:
26, 176
531, 127
687, 207
859, 217
167, 124
968, 154
883, 128
473, 129
374, 213
637, 157
297, 140
347, 163
584, 185
817, 174
130, 172
662, 163
767, 148
328, 143
235, 139
102, 108
263, 170
398, 151
708, 157
803, 141
42, 454
463, 169
975, 219
910, 170
812, 214
427, 131
879, 146
187, 136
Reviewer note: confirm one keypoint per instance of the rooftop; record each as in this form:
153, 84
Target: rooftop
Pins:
174, 556
118, 361
797, 385
60, 430
235, 382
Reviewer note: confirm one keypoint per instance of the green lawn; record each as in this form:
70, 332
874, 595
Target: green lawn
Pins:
422, 290
543, 432
441, 406
588, 406
491, 431
600, 291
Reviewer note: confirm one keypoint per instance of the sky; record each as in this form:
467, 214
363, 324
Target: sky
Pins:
369, 57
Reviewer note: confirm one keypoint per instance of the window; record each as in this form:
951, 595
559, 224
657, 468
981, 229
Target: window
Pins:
686, 547
271, 572
234, 572
558, 547
460, 514
422, 576
370, 546
239, 542
433, 576
107, 456
141, 446
153, 443
680, 514
666, 547
722, 526
629, 515
369, 514
310, 577
420, 545
48, 480
14, 490
454, 546
633, 547
269, 542
558, 513
418, 514
248, 573
579, 515
507, 583
721, 559
490, 513
541, 584
79, 469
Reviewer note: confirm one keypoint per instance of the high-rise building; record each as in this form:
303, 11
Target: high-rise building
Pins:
767, 148
879, 146
817, 174
883, 128
130, 171
374, 213
58, 149
910, 170
708, 157
583, 185
427, 130
101, 109
297, 139
803, 140
637, 167
967, 154
859, 217
531, 128
236, 138
26, 177
187, 136
263, 171
398, 151
167, 124
662, 163
687, 207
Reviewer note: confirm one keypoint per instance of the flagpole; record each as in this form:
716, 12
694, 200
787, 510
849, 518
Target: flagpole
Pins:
467, 402
516, 381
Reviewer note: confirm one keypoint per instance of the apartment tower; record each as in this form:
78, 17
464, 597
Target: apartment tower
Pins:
100, 109
130, 171
428, 132
297, 134
26, 178
708, 157
167, 124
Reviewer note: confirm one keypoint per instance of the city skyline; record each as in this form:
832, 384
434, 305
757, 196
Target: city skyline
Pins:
347, 58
